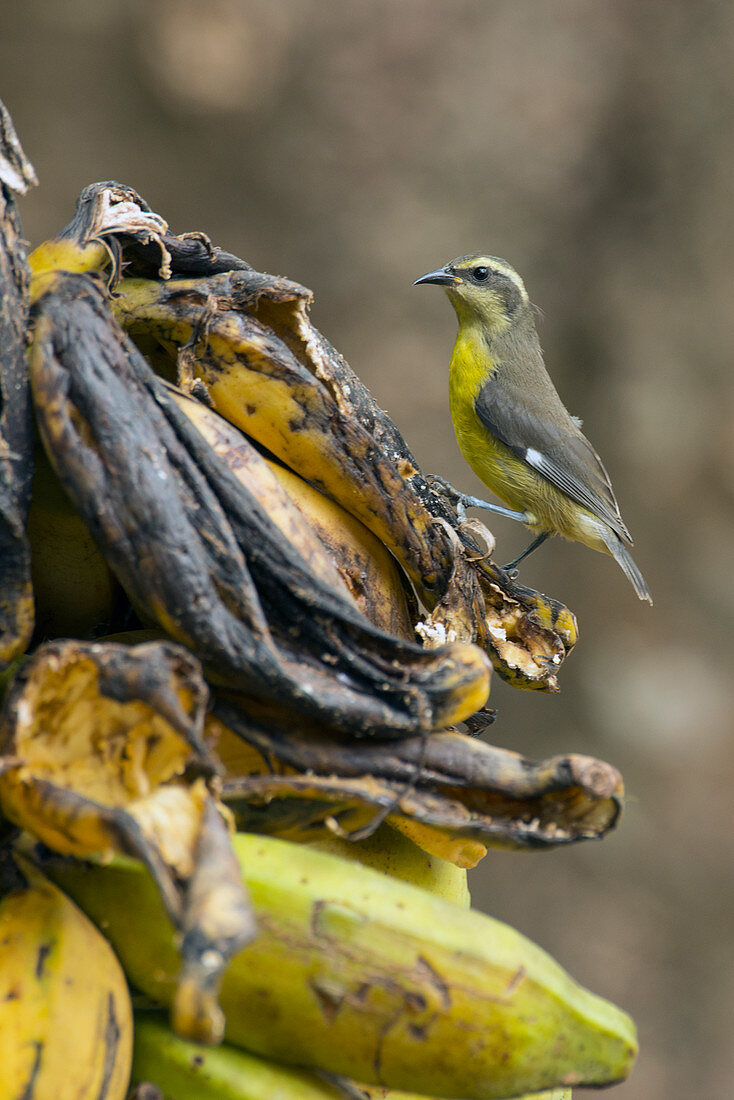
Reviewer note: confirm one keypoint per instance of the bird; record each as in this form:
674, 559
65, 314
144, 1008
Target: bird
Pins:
511, 425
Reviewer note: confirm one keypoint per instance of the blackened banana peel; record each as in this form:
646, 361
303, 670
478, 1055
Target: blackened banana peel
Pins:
195, 549
454, 795
16, 426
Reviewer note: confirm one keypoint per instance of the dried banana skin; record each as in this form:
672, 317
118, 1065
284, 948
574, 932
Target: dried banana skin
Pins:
16, 428
454, 795
196, 550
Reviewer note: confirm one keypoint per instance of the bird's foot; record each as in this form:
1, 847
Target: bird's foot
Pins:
462, 501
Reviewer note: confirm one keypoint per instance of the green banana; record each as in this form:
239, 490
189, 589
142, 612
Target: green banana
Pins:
391, 853
363, 976
190, 1071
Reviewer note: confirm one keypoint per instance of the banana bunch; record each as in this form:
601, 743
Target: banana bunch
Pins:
238, 631
358, 974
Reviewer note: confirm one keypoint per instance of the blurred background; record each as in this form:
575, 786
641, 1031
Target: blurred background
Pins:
355, 146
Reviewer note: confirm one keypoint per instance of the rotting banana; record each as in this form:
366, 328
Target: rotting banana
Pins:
103, 753
195, 548
454, 795
16, 429
257, 381
360, 975
75, 592
329, 538
367, 567
190, 1071
94, 737
89, 243
66, 1026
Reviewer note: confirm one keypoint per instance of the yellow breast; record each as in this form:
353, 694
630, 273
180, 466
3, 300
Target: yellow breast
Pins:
509, 478
494, 463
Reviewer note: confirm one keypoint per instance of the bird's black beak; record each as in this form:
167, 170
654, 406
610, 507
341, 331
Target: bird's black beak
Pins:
441, 277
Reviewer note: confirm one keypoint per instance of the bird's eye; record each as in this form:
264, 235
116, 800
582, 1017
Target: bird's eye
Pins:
480, 274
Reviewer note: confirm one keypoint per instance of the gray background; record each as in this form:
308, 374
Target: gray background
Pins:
354, 146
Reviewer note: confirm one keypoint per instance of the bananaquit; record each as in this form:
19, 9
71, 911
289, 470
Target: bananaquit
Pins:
512, 426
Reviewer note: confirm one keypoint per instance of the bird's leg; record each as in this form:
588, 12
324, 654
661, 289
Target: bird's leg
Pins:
511, 566
464, 501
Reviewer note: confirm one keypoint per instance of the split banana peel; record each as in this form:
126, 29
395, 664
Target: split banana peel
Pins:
103, 753
339, 549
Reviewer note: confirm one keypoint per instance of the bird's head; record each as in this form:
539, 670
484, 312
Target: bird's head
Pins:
481, 288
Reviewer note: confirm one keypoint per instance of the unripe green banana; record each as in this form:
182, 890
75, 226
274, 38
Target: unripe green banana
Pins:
190, 1071
388, 851
357, 974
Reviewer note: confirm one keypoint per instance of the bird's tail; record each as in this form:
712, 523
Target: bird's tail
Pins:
622, 556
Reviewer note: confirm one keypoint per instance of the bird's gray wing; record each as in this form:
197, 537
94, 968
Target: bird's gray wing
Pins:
557, 450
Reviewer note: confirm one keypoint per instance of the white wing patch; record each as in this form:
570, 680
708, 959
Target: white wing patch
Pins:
535, 458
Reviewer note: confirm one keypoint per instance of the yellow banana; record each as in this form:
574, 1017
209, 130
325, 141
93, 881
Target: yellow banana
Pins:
76, 593
361, 975
369, 570
190, 1071
65, 1012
